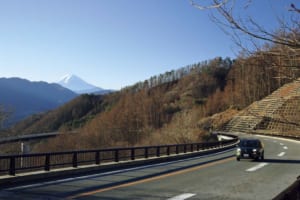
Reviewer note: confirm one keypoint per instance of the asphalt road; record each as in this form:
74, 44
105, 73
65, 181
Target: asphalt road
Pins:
217, 176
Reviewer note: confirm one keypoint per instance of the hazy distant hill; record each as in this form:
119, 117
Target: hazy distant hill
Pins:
24, 98
73, 114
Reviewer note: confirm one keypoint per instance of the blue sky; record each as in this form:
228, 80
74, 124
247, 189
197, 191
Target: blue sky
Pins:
109, 43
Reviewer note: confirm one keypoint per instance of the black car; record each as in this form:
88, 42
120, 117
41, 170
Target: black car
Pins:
250, 148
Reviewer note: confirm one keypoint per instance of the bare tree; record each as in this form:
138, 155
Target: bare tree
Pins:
224, 13
282, 43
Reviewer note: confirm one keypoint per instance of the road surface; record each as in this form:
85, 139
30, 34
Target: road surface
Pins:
217, 176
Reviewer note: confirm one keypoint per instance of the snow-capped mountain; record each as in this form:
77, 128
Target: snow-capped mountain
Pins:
78, 85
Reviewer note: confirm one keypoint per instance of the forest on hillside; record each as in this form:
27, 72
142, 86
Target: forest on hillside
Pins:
174, 107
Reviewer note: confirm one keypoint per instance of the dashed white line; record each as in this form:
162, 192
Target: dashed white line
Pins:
281, 154
182, 196
285, 147
256, 167
281, 144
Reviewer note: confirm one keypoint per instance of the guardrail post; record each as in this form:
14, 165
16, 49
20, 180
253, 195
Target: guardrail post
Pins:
198, 147
220, 144
97, 157
184, 148
75, 163
177, 149
47, 162
12, 166
132, 154
168, 150
116, 155
158, 151
146, 152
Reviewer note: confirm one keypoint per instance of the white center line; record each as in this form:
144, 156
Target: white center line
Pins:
285, 147
281, 154
256, 167
182, 196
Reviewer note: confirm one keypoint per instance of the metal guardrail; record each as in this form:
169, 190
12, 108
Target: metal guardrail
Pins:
29, 137
13, 164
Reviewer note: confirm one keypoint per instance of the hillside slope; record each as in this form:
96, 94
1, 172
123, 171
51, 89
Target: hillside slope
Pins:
155, 105
71, 115
278, 113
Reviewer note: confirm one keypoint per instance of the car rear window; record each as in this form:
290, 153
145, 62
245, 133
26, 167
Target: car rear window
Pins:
249, 143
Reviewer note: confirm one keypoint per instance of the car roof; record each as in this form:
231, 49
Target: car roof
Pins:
249, 139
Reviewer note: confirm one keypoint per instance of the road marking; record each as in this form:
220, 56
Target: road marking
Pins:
182, 196
278, 138
285, 147
151, 178
281, 144
256, 167
281, 154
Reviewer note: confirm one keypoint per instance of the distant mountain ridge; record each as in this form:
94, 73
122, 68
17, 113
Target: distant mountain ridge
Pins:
79, 86
23, 98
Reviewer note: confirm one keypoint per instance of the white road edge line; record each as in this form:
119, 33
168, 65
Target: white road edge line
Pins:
281, 154
182, 196
256, 167
278, 138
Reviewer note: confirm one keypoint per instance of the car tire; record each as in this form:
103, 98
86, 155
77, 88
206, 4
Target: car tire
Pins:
262, 157
238, 159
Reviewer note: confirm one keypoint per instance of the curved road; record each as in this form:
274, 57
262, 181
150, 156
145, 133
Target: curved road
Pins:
217, 176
